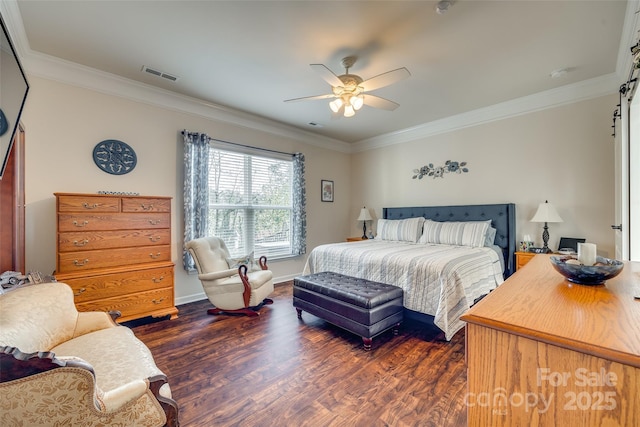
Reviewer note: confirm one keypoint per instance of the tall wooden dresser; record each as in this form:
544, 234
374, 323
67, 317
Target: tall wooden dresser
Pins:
115, 252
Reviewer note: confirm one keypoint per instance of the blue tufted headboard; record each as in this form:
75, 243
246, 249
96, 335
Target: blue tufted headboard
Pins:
502, 216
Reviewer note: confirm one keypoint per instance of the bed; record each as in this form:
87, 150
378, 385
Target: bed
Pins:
435, 254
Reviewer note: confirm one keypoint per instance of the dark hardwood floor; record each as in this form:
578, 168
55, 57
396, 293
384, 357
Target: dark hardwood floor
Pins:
275, 370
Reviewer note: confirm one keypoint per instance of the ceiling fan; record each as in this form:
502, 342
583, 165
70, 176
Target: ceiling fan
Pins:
351, 92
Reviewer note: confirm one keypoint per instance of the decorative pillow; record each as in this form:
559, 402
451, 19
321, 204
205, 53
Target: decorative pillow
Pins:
490, 237
471, 233
402, 230
247, 260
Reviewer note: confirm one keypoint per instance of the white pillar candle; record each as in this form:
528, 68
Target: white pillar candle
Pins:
587, 253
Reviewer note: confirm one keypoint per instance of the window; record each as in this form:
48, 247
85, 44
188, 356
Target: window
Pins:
251, 203
254, 199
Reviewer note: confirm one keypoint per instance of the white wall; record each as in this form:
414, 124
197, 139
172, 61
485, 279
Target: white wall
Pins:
63, 124
564, 155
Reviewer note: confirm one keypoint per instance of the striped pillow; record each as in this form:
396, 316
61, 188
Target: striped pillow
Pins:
402, 230
471, 233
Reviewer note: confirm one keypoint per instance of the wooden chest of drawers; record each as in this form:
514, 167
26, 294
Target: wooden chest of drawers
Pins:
115, 252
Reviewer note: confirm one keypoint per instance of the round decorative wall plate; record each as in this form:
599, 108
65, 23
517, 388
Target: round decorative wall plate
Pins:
4, 124
114, 157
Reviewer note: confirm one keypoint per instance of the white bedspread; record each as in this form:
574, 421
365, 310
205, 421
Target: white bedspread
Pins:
439, 280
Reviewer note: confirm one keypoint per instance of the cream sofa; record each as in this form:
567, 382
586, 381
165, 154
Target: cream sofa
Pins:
64, 367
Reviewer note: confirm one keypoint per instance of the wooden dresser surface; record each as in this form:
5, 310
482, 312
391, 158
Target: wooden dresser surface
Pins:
538, 302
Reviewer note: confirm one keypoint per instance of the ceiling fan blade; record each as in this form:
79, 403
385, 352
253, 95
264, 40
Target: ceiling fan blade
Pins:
377, 102
311, 98
327, 75
385, 79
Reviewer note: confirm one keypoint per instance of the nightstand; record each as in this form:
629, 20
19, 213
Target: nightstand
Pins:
522, 258
355, 239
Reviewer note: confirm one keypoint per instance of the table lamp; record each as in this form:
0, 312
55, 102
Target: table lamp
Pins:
546, 213
364, 217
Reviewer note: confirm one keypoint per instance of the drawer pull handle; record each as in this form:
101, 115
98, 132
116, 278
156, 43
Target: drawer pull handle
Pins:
155, 256
154, 221
146, 207
157, 279
157, 301
80, 263
80, 292
80, 224
88, 206
154, 238
80, 243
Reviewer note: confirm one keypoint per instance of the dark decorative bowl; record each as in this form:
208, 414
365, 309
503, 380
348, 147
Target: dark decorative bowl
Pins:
604, 269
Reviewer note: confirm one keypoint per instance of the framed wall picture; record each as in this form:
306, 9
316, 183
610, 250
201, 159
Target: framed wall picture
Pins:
326, 190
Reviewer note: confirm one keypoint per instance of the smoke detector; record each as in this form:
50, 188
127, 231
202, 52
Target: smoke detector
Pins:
443, 6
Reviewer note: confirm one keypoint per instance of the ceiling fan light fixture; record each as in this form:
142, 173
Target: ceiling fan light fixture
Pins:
348, 111
357, 102
335, 105
348, 90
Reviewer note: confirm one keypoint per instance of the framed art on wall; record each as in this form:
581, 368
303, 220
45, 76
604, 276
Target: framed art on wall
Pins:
326, 190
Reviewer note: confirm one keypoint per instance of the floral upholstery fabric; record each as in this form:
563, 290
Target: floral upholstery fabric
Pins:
66, 397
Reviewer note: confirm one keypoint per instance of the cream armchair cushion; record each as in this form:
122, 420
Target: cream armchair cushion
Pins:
229, 289
38, 317
101, 373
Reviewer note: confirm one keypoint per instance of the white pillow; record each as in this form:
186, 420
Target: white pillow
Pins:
402, 230
490, 238
470, 233
247, 260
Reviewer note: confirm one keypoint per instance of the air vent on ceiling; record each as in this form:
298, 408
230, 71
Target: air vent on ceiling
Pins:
159, 73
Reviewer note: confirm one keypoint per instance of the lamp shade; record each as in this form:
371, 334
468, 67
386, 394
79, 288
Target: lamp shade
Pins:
546, 213
349, 111
364, 215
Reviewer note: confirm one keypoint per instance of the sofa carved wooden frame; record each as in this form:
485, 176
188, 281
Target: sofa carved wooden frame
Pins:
15, 364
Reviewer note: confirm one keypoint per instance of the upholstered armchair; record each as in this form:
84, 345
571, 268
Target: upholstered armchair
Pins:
61, 367
243, 289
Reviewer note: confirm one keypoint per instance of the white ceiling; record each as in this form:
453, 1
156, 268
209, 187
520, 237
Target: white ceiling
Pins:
252, 55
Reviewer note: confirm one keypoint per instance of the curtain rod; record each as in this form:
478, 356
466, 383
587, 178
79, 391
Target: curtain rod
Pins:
239, 145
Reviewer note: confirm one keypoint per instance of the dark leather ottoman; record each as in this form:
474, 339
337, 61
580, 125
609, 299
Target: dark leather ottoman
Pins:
360, 306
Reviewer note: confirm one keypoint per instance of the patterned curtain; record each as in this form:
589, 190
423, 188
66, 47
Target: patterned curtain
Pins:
196, 190
299, 241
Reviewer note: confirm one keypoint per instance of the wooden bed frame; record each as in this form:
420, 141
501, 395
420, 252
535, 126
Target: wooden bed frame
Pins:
502, 216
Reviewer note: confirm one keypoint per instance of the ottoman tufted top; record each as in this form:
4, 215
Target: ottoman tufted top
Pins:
359, 292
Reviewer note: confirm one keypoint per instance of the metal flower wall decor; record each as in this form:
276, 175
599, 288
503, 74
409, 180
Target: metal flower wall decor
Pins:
439, 171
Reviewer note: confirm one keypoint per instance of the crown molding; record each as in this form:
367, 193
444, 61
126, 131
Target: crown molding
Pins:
581, 91
630, 36
568, 94
56, 69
